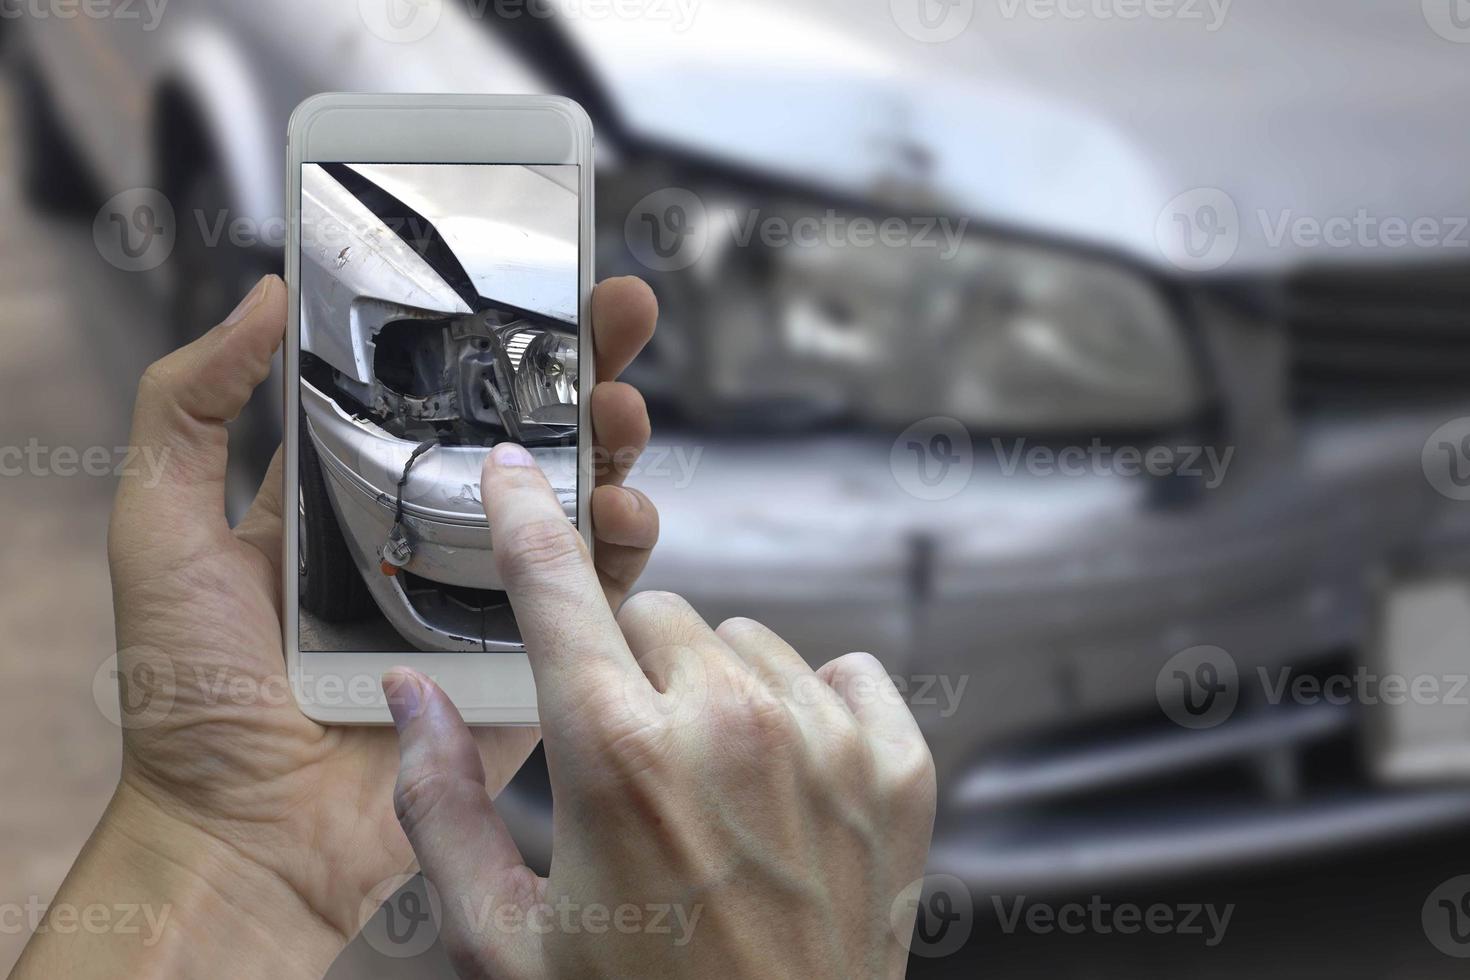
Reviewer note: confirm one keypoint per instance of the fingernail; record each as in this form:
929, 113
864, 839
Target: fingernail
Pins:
510, 454
405, 696
247, 304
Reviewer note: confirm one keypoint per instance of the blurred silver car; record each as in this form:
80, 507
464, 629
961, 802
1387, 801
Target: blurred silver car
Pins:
1030, 613
439, 309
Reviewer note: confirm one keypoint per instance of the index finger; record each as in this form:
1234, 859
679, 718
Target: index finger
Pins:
571, 637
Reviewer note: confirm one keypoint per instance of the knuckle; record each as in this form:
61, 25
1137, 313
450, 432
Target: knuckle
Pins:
914, 779
740, 626
766, 721
160, 379
418, 793
541, 548
653, 606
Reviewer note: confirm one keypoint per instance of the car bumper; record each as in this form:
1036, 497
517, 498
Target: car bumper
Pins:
1050, 605
443, 514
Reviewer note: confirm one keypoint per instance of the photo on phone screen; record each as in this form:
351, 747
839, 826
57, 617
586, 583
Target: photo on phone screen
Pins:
439, 317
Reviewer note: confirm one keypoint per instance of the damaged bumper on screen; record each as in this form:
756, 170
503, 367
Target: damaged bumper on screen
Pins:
442, 511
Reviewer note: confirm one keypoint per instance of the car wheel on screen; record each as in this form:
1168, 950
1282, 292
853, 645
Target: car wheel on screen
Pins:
331, 585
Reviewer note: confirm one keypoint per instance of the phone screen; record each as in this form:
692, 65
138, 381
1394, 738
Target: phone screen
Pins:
439, 317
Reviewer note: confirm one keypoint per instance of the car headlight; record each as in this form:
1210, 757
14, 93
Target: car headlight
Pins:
479, 378
1003, 335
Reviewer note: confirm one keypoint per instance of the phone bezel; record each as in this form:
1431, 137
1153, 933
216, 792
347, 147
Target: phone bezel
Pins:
488, 688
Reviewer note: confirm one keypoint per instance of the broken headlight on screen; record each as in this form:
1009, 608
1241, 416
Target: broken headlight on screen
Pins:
478, 379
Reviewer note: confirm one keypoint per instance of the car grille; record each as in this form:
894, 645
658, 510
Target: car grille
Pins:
1368, 335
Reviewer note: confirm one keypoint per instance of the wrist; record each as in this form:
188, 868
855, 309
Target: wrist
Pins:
152, 895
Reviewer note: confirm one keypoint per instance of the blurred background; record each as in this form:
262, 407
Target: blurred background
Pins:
1099, 365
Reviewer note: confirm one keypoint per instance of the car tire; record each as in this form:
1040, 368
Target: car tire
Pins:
53, 177
331, 586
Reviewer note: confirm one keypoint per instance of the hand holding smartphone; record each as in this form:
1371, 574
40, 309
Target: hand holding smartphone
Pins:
712, 790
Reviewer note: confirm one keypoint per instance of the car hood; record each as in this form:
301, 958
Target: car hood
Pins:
524, 256
1084, 130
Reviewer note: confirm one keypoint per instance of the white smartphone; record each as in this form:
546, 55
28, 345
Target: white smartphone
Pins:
440, 273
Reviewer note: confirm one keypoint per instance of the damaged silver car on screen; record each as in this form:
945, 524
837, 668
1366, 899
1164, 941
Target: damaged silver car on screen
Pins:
429, 333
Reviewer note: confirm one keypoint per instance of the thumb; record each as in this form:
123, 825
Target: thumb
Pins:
487, 892
176, 480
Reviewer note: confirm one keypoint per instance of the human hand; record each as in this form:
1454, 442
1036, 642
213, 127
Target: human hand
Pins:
232, 768
721, 810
